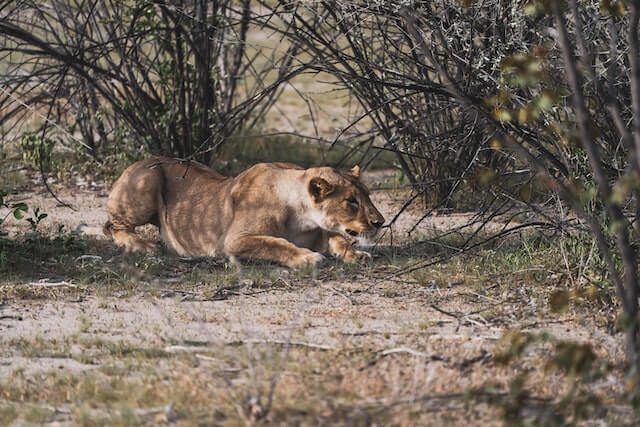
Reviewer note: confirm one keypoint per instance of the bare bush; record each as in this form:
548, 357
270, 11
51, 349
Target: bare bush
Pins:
176, 76
475, 91
388, 56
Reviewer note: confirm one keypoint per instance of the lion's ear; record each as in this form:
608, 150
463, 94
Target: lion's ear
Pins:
355, 171
319, 189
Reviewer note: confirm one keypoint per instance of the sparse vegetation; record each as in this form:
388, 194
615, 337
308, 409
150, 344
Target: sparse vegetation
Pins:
504, 295
329, 363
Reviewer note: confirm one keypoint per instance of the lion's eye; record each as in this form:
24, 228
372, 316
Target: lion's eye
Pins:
352, 201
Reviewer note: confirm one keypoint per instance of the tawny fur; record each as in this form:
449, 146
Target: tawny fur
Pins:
276, 212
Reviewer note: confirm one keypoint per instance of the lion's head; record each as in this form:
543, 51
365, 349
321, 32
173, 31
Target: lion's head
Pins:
343, 203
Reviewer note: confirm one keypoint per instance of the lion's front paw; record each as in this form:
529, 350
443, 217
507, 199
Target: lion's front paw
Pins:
148, 247
312, 259
358, 256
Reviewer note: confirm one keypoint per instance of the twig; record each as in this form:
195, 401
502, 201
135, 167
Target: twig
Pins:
285, 343
473, 321
207, 358
484, 355
178, 348
167, 409
56, 410
424, 398
92, 257
224, 292
177, 291
43, 283
403, 350
483, 296
454, 315
337, 292
461, 317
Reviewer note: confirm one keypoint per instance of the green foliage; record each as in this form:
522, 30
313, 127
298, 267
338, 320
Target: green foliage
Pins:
578, 367
612, 7
37, 217
37, 151
515, 343
624, 187
575, 360
18, 210
523, 70
538, 7
600, 180
243, 151
30, 249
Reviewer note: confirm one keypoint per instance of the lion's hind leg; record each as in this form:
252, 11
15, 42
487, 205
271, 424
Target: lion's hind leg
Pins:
134, 201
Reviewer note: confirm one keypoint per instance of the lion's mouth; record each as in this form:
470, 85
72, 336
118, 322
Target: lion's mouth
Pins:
362, 238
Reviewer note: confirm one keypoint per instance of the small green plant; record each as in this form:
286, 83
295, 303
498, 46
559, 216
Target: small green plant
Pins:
8, 413
37, 151
32, 248
37, 217
85, 323
17, 209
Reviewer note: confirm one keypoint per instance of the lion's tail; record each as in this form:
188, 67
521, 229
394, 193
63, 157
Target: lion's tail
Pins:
107, 229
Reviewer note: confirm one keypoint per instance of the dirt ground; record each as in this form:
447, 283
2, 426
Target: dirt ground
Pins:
202, 344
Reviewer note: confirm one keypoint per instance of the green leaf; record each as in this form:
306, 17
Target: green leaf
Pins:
502, 114
495, 144
624, 186
546, 100
612, 8
538, 7
524, 115
19, 210
515, 342
617, 226
498, 99
486, 176
573, 358
525, 192
523, 69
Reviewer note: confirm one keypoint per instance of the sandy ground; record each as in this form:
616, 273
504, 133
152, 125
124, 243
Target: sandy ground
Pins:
443, 334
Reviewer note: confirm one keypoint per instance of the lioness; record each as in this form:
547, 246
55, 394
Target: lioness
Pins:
276, 212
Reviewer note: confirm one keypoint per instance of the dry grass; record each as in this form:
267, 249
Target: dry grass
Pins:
90, 336
148, 340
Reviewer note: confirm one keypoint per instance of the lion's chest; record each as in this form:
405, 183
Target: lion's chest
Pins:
306, 239
302, 232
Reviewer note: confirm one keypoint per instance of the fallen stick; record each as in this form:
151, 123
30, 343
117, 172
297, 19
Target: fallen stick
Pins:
285, 343
177, 348
404, 350
337, 292
43, 283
